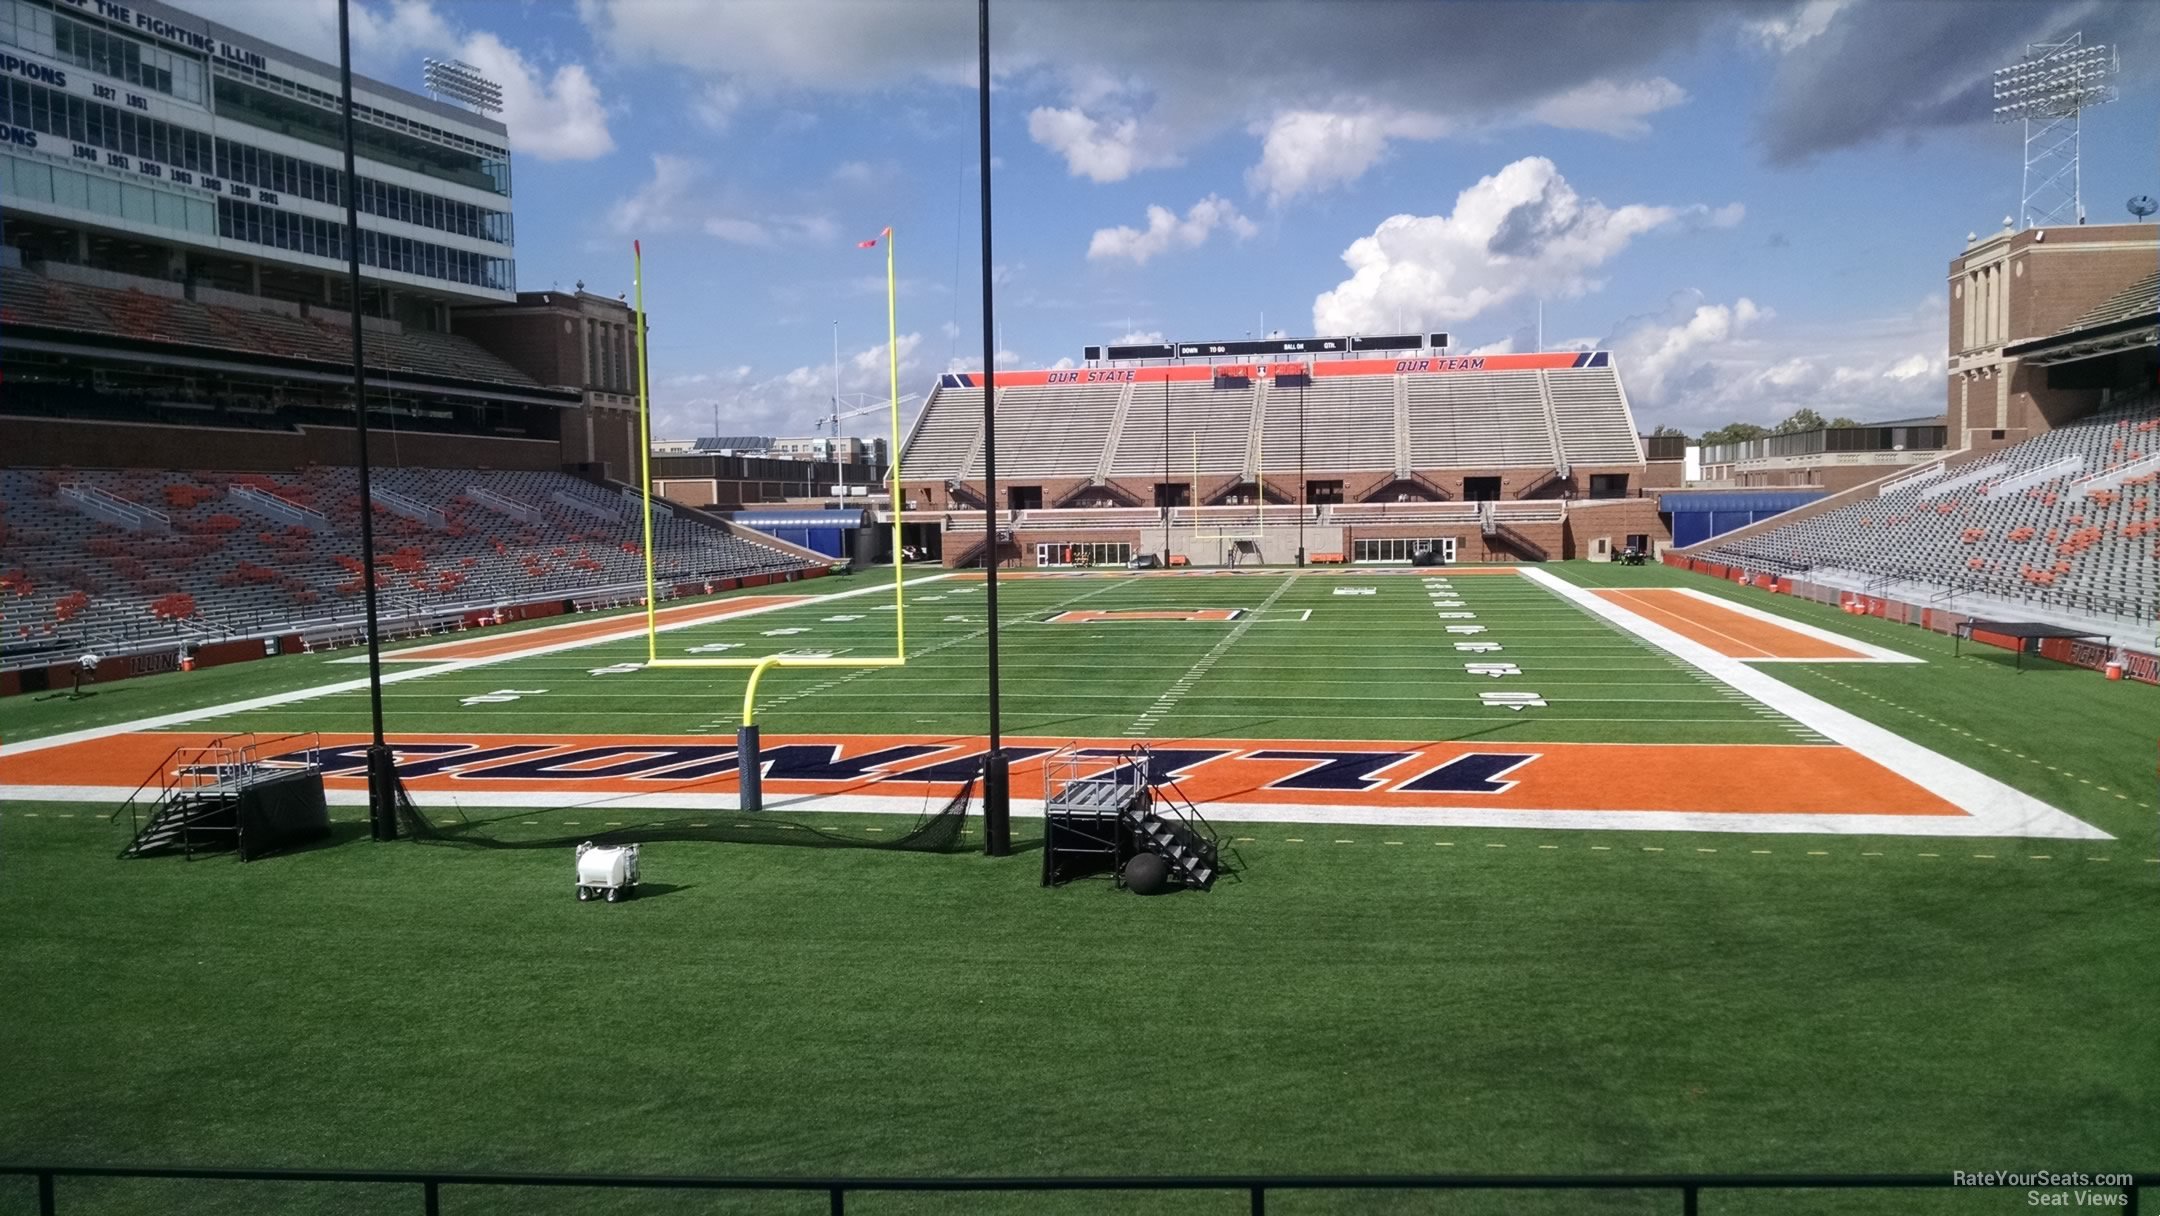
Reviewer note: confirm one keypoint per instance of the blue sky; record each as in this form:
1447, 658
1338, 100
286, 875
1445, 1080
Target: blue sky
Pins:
1753, 203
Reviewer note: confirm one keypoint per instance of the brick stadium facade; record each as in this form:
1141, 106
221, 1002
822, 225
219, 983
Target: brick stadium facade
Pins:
2012, 289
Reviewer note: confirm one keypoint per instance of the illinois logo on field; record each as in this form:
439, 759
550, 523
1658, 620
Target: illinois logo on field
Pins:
1104, 616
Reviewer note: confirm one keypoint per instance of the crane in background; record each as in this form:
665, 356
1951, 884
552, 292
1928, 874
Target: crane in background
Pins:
855, 405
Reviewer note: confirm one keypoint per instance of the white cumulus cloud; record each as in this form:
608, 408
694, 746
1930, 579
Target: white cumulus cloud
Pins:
1101, 150
1166, 230
1610, 107
1521, 231
1700, 364
554, 116
1655, 353
1309, 150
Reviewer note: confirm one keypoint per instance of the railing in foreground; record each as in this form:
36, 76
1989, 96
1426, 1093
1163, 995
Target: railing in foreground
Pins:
2100, 1192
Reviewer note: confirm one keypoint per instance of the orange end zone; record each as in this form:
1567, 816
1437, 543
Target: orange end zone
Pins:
1770, 780
1736, 635
580, 631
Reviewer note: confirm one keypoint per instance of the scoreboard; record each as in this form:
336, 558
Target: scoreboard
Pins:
1251, 347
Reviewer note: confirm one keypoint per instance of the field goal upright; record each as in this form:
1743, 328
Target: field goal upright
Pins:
746, 736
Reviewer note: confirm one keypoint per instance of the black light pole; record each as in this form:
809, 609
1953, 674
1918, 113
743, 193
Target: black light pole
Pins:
381, 769
1166, 494
1301, 484
997, 774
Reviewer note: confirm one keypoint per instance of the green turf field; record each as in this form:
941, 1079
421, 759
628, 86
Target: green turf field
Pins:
1367, 998
1303, 663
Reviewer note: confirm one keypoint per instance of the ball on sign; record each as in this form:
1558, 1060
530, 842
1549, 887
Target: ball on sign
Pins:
1147, 874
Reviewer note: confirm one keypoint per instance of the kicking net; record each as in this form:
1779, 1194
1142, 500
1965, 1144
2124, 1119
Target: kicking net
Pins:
936, 830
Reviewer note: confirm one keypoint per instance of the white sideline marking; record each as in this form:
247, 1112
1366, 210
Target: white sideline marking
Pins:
271, 701
1876, 654
1303, 812
1991, 807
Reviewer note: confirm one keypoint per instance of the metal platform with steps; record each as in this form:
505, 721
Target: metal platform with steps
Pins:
230, 795
1098, 819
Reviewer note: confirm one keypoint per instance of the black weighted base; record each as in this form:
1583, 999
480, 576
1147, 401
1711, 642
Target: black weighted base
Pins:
382, 792
1147, 874
997, 805
750, 768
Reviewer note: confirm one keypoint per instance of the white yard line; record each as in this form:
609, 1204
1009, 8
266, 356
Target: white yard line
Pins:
272, 700
1992, 807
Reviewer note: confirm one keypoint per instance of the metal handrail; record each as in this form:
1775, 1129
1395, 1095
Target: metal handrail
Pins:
2122, 1187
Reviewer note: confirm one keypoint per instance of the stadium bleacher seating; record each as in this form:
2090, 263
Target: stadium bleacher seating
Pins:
1210, 429
2070, 519
106, 558
32, 299
1353, 423
1044, 441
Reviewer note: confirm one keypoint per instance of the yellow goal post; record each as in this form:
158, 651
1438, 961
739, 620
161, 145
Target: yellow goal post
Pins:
758, 665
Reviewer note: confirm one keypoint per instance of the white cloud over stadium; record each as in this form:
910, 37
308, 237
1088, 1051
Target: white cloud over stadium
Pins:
1166, 231
1523, 231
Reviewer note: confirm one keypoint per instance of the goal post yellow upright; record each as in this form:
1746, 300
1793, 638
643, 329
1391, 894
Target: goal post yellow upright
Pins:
747, 734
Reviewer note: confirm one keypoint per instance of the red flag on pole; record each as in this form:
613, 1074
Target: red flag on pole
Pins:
872, 242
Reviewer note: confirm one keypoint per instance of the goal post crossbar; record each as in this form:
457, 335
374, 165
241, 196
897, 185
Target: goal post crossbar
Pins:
759, 665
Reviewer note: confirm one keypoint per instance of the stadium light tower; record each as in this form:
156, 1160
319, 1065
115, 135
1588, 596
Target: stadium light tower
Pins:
2046, 91
461, 82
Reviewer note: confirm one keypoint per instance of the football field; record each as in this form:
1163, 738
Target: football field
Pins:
1553, 869
1490, 696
